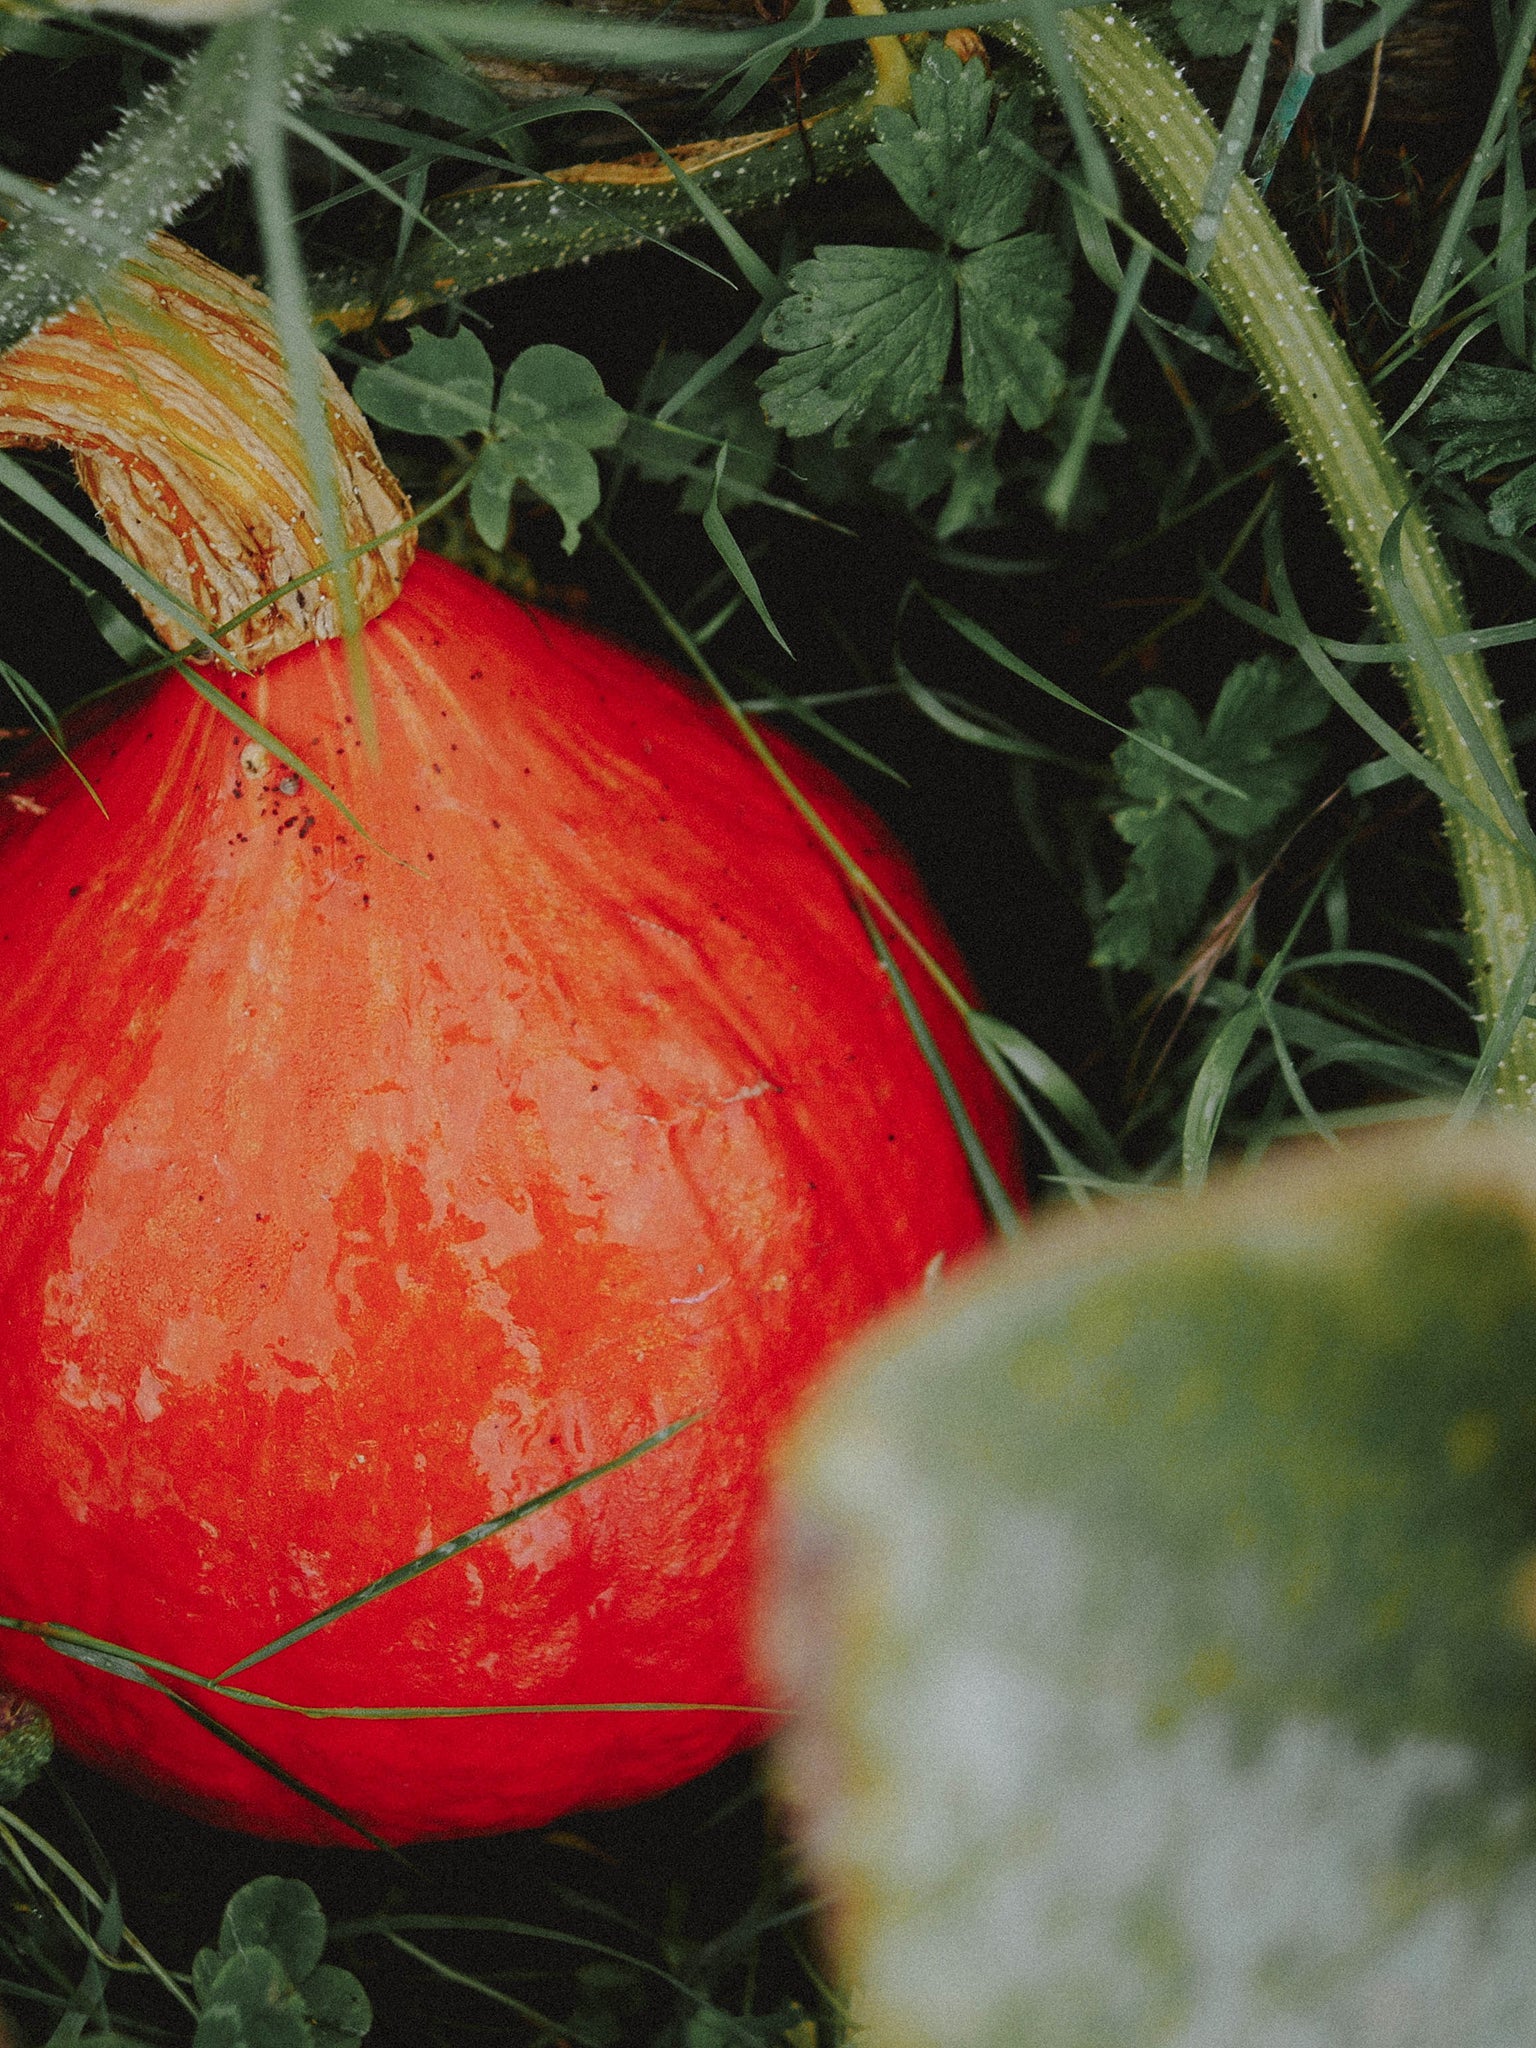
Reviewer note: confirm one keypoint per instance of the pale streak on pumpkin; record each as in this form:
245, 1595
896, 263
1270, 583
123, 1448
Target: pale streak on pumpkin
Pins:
169, 391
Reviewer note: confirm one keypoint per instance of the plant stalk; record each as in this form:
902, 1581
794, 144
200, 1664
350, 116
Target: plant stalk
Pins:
1159, 127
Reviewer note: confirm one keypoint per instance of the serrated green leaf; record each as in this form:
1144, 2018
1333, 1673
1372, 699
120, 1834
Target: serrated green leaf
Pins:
1219, 28
551, 411
1512, 508
338, 2007
252, 2004
968, 190
1482, 419
1252, 739
1171, 723
281, 1915
1167, 877
441, 387
1014, 314
1254, 742
865, 337
1166, 1624
945, 453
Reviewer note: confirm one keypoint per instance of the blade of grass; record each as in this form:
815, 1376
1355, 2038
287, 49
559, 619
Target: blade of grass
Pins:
1042, 1073
288, 292
1500, 785
561, 2030
995, 1197
1443, 263
728, 549
389, 1924
13, 1830
1233, 147
40, 711
1501, 1036
27, 487
988, 643
1219, 1069
455, 1546
1062, 488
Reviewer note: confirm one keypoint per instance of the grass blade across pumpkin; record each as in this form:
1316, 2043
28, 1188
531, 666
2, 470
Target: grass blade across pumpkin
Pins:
368, 1182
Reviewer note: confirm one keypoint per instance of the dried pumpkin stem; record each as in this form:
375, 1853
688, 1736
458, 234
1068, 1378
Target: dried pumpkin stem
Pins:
168, 388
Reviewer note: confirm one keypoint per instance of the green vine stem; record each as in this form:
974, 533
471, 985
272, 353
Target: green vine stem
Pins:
1159, 127
499, 232
175, 142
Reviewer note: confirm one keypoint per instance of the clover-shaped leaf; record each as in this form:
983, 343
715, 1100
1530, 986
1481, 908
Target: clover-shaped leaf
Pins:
865, 334
252, 2003
551, 413
438, 386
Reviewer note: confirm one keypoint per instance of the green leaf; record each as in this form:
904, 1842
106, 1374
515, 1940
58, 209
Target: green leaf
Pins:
1264, 708
552, 410
1253, 743
1014, 314
969, 191
281, 1914
440, 387
390, 69
337, 2006
26, 1744
1170, 871
865, 336
1162, 1606
683, 446
945, 453
252, 2004
1512, 508
1483, 418
206, 1965
1219, 28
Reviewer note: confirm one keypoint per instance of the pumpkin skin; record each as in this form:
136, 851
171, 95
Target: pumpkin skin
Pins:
355, 1191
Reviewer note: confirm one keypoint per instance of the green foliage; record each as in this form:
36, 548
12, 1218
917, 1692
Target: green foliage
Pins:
1217, 28
550, 414
175, 140
265, 1986
681, 447
866, 333
1165, 1624
1180, 829
1485, 419
26, 1744
971, 184
944, 455
865, 336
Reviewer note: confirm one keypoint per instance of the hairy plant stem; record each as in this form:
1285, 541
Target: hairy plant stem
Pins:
175, 142
1159, 127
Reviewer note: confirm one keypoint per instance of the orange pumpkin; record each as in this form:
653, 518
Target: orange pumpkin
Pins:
356, 1188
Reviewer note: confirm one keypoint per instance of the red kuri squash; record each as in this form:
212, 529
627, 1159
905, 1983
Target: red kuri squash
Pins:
356, 1189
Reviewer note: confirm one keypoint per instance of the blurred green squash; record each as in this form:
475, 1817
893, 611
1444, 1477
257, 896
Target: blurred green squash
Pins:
1161, 1608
